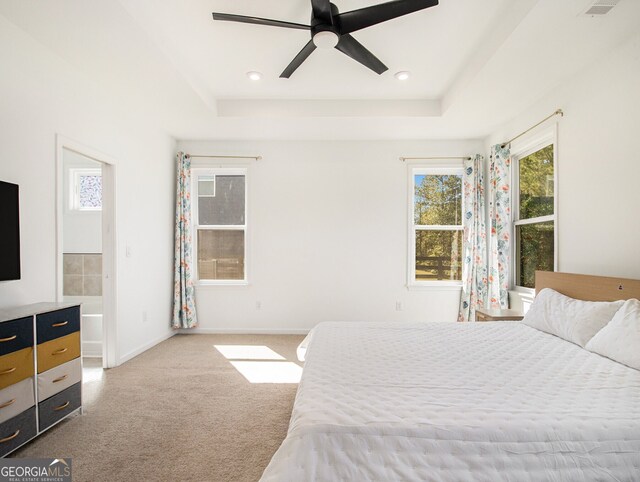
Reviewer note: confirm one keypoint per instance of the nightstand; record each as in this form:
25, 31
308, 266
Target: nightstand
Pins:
486, 314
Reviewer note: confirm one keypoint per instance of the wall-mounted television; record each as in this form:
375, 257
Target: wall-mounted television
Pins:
9, 231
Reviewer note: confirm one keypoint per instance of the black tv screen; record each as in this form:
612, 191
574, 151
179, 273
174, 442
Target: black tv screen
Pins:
9, 232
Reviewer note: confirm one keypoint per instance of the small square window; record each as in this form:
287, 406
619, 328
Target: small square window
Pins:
86, 190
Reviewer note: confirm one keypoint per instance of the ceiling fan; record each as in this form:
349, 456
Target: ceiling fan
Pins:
329, 28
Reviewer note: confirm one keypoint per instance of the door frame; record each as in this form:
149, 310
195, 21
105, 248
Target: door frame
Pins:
109, 241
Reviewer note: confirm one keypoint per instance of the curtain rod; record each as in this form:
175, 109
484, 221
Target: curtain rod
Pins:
557, 112
466, 158
193, 156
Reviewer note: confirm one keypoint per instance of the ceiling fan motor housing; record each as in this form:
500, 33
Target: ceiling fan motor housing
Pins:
325, 35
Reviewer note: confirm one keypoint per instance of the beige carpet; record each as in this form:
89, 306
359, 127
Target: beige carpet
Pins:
179, 411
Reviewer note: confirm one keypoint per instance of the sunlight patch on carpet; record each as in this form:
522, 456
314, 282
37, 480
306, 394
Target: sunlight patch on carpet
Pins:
269, 371
248, 352
92, 374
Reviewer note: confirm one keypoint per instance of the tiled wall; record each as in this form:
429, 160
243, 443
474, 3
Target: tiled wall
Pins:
82, 274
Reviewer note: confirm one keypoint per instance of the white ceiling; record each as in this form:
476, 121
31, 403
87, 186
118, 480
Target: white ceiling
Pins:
433, 44
474, 64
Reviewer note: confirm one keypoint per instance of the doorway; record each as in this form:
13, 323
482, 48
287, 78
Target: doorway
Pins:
86, 248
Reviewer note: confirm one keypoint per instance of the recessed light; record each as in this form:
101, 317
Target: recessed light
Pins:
253, 75
402, 75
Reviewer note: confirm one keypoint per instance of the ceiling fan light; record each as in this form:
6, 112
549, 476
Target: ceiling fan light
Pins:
326, 39
402, 75
253, 75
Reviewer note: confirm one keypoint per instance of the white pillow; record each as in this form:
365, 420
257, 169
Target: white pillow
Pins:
620, 339
572, 320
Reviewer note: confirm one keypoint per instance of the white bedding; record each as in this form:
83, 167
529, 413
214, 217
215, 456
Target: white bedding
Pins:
458, 402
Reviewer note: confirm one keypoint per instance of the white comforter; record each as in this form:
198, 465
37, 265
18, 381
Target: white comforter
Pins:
458, 402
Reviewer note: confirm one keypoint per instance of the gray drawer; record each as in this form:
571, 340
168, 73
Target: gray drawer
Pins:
16, 399
59, 378
17, 430
59, 406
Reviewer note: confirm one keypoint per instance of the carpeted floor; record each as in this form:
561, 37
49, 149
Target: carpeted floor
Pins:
178, 412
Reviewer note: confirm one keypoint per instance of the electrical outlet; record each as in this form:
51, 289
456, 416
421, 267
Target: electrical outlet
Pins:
398, 305
144, 317
258, 305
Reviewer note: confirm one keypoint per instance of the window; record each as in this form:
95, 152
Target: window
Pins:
436, 226
220, 225
86, 189
534, 213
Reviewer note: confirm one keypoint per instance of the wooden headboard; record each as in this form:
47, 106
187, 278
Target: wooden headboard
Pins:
588, 288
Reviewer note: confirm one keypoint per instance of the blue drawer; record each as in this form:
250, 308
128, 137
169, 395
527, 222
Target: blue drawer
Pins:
17, 430
16, 335
57, 323
59, 406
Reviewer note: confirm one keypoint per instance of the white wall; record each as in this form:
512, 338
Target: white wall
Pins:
328, 236
598, 162
82, 230
41, 96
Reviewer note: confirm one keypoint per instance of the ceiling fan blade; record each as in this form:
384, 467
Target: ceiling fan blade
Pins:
366, 17
322, 11
297, 61
259, 21
354, 49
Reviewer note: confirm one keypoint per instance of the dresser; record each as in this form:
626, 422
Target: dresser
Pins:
40, 370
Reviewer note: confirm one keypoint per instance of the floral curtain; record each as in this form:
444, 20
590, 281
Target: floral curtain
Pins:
474, 241
500, 222
184, 306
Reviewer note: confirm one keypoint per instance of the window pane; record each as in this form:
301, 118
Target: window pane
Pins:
438, 199
90, 191
534, 250
226, 206
438, 255
220, 255
206, 186
536, 184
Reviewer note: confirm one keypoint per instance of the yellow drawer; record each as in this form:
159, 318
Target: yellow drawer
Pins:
58, 351
16, 366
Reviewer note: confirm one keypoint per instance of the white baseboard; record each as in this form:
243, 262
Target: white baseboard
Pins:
145, 347
248, 331
92, 349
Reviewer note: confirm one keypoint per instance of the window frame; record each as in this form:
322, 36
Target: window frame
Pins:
428, 169
520, 150
74, 187
195, 225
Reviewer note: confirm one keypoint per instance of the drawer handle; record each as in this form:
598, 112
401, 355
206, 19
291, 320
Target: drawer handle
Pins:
7, 371
63, 406
62, 323
60, 351
8, 338
6, 404
10, 437
63, 377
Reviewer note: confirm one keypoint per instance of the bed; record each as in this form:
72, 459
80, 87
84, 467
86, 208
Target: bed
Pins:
463, 402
